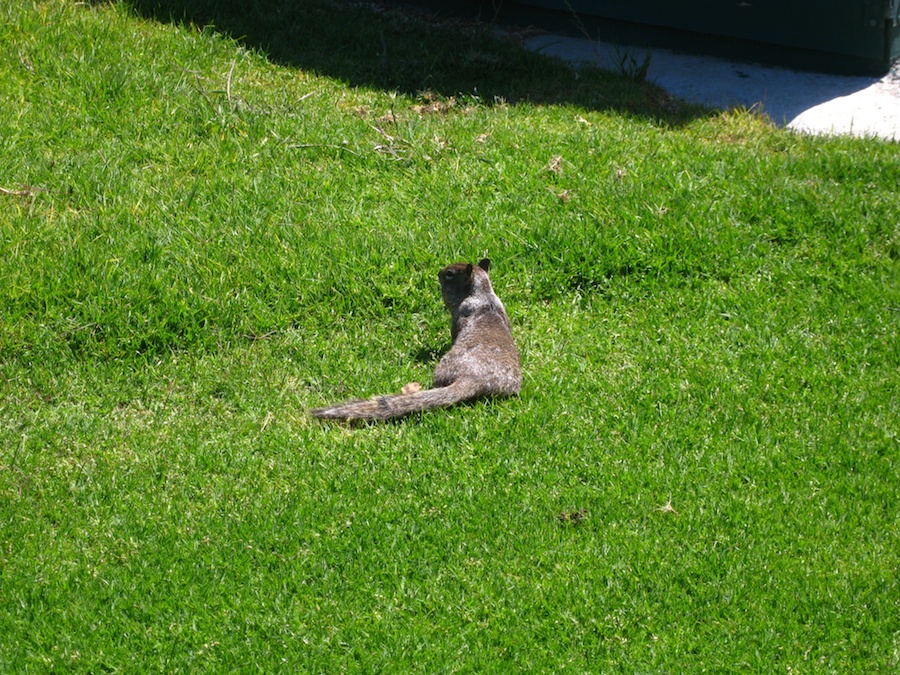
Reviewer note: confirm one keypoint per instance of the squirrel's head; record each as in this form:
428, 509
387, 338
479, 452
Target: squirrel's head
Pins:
460, 280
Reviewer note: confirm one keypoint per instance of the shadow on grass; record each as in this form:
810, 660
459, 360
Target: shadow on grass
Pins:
393, 48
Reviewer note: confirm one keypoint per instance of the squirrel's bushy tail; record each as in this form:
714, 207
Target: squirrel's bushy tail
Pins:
397, 405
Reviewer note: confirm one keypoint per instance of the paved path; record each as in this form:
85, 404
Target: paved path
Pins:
810, 102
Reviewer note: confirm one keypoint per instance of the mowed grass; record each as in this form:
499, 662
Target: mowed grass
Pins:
202, 236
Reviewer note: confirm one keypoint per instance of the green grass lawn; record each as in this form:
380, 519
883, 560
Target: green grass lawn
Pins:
215, 215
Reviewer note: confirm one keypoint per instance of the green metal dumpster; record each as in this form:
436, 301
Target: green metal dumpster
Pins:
848, 35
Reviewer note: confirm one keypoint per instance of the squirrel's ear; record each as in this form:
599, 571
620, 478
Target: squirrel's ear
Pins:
485, 264
469, 270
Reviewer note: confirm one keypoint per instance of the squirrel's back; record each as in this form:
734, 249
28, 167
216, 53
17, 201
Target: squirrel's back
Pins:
483, 360
483, 346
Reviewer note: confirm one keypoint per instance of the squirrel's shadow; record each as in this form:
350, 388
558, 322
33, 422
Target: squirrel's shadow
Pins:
430, 354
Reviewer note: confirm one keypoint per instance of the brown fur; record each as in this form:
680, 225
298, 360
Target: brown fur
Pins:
483, 360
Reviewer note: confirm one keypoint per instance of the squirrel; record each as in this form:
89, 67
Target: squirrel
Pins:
483, 360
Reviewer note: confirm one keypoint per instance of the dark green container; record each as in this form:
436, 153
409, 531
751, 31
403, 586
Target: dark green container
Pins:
848, 35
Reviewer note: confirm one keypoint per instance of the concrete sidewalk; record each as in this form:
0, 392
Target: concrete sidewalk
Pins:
808, 102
